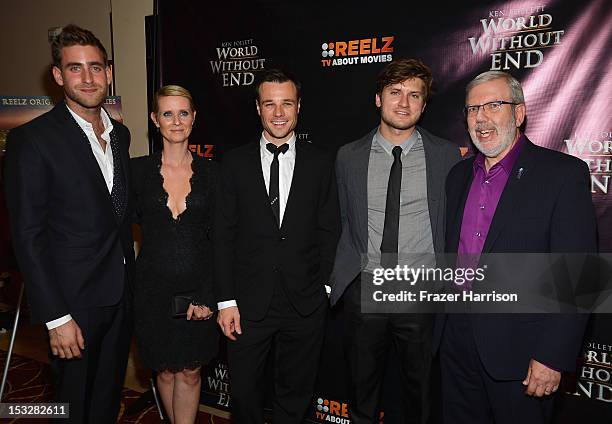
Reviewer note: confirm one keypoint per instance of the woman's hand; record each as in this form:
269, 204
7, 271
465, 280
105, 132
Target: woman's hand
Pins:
198, 312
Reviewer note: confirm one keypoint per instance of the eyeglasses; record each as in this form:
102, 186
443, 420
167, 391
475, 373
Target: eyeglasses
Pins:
492, 107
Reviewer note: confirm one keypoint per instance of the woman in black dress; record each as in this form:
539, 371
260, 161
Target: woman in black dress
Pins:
173, 193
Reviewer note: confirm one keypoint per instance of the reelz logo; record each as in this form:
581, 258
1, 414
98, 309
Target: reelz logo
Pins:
353, 52
332, 411
202, 150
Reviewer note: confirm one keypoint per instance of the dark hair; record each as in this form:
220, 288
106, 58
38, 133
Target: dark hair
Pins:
73, 35
276, 75
401, 70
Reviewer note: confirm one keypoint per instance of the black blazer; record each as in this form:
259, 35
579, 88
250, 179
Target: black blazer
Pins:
547, 209
68, 241
252, 253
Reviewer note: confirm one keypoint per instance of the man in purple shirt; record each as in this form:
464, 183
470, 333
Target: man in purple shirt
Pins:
512, 197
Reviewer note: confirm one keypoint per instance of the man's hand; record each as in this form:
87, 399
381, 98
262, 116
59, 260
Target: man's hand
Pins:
541, 380
229, 321
198, 312
67, 340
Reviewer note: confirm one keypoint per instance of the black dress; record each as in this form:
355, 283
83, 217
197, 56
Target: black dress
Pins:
175, 257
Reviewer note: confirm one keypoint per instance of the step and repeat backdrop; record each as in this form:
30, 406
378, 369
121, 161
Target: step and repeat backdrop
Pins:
559, 50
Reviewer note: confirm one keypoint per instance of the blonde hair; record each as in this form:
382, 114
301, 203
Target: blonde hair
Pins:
172, 90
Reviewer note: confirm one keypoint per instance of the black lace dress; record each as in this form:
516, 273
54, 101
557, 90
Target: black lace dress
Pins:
175, 257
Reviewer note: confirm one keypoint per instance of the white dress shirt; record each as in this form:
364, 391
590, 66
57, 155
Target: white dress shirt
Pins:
105, 162
286, 164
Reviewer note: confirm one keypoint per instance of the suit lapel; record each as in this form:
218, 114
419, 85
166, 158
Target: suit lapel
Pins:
454, 227
434, 181
124, 154
253, 167
82, 150
359, 171
299, 177
511, 197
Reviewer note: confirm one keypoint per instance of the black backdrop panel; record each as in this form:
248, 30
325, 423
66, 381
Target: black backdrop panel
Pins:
559, 50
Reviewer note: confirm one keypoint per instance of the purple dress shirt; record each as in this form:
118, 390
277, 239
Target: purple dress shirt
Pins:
482, 200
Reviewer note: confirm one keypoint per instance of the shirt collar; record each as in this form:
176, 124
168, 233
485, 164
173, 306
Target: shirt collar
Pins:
87, 127
263, 141
507, 163
388, 146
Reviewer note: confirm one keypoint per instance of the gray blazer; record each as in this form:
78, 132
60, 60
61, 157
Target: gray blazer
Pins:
352, 175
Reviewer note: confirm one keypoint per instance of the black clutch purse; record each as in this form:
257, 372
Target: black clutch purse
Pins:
180, 304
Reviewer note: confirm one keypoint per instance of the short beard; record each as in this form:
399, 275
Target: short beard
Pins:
507, 135
87, 103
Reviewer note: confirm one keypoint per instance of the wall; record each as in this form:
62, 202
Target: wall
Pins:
130, 67
26, 55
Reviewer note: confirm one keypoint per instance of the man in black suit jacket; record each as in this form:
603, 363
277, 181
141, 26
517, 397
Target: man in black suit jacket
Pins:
276, 229
67, 184
364, 169
513, 197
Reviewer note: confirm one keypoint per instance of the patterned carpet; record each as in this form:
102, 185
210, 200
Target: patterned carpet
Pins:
30, 381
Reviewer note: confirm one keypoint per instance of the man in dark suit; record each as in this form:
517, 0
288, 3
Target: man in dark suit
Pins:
67, 185
392, 202
512, 197
276, 229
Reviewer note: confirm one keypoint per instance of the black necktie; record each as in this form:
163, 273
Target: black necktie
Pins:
118, 191
273, 191
388, 247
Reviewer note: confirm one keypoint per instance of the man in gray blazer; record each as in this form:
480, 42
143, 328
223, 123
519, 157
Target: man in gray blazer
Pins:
392, 201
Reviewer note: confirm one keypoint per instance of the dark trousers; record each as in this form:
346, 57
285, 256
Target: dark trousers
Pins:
297, 341
470, 395
92, 385
367, 341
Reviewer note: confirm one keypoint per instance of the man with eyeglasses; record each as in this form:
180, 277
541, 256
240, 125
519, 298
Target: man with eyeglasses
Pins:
512, 197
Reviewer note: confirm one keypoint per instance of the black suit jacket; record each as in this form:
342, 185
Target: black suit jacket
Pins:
252, 253
68, 240
547, 209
